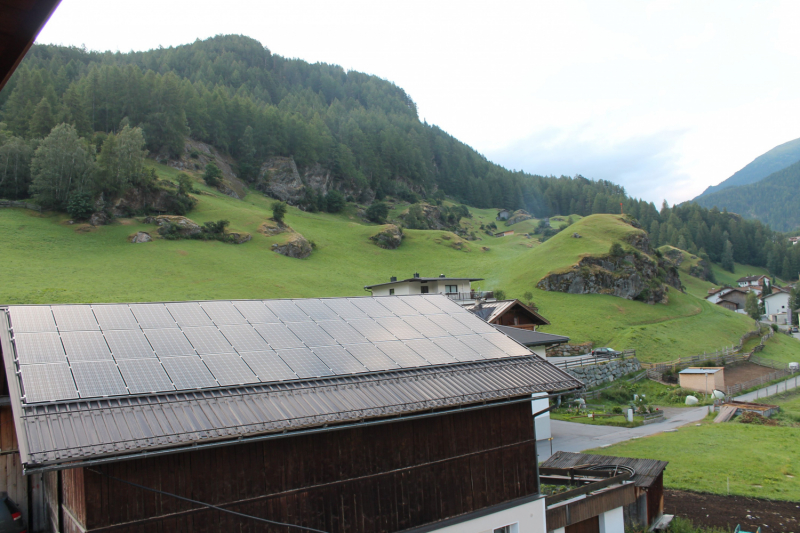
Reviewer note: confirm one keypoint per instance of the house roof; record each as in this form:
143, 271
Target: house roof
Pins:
491, 311
22, 22
776, 291
750, 278
647, 470
706, 370
104, 382
440, 278
532, 338
727, 290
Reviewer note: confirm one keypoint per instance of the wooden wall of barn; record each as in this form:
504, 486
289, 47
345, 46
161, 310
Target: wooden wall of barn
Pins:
379, 478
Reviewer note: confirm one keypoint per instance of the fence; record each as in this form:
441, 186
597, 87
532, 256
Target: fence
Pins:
757, 382
24, 205
587, 360
656, 371
597, 392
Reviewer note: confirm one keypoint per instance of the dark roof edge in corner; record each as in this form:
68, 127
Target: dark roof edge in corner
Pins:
14, 393
31, 469
24, 50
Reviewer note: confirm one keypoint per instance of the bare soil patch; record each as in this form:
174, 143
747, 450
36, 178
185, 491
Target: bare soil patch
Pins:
729, 511
744, 372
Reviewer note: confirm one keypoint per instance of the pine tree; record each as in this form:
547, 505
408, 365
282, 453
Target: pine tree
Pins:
727, 257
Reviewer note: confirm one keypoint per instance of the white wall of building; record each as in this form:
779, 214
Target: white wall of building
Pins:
612, 521
403, 288
527, 518
776, 303
541, 422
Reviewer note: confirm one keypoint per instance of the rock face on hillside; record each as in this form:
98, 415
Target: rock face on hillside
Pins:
297, 246
518, 216
137, 201
280, 179
390, 238
196, 155
701, 270
632, 276
186, 227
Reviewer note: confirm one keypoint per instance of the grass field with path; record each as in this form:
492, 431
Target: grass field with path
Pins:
46, 260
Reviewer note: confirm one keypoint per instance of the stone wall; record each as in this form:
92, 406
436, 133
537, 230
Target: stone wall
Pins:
566, 350
593, 375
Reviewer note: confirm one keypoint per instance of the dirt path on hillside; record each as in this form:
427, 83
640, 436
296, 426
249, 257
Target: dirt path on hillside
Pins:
729, 511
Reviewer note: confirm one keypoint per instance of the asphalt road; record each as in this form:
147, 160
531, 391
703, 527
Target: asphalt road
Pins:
766, 392
574, 437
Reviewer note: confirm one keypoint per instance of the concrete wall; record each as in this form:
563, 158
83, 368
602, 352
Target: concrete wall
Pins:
526, 518
698, 382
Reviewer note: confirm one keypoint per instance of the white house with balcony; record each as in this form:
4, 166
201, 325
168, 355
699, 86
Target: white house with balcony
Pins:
457, 289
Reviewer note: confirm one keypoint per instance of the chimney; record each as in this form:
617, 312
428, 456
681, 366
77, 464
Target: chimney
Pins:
442, 276
416, 275
393, 278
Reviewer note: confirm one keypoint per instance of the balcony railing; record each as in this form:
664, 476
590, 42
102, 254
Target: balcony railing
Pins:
471, 295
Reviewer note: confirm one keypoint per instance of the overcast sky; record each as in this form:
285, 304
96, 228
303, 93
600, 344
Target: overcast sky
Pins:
664, 98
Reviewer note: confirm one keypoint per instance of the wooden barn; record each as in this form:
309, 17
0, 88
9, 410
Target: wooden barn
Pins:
511, 313
375, 414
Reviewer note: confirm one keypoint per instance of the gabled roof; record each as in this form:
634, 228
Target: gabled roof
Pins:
647, 470
532, 338
492, 311
750, 278
440, 278
775, 292
104, 381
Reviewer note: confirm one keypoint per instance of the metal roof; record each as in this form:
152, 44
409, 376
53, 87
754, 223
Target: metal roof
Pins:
96, 381
647, 470
491, 311
422, 279
700, 371
531, 338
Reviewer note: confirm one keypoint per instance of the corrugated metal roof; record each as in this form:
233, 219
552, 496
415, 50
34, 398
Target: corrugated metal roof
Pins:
700, 371
647, 470
66, 425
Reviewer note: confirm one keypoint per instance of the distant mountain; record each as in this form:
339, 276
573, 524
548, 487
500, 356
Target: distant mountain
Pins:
775, 200
762, 166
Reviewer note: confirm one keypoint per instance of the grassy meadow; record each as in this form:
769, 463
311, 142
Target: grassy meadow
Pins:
47, 260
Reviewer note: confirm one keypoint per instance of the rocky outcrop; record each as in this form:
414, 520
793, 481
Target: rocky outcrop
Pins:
99, 219
196, 155
140, 237
279, 178
567, 350
297, 246
632, 276
701, 270
597, 374
518, 216
238, 238
640, 241
137, 201
184, 227
271, 228
390, 238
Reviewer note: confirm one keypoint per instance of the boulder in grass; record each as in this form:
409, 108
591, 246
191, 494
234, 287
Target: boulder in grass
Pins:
390, 238
141, 236
186, 227
297, 246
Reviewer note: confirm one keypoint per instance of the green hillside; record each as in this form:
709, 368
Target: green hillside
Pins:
774, 200
762, 166
47, 260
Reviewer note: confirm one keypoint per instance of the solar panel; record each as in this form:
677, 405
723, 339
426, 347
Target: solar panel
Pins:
32, 318
145, 376
129, 344
44, 347
474, 323
431, 352
256, 312
509, 346
268, 366
153, 316
402, 354
421, 304
287, 311
311, 334
244, 338
373, 331
208, 340
398, 328
370, 307
169, 342
396, 306
47, 383
457, 349
85, 346
74, 318
278, 336
425, 326
98, 378
229, 369
342, 332
316, 309
115, 317
304, 363
188, 372
371, 357
223, 313
189, 314
339, 360
450, 325
482, 346
445, 304
344, 309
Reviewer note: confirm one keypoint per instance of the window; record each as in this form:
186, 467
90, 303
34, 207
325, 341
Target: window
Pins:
391, 292
423, 289
451, 289
510, 528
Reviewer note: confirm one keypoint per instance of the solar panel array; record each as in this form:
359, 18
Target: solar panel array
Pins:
66, 352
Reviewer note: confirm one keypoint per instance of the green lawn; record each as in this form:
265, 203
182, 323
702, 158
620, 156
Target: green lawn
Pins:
781, 348
757, 461
617, 420
45, 260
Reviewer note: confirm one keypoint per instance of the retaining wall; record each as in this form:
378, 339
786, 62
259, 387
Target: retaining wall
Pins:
566, 350
593, 375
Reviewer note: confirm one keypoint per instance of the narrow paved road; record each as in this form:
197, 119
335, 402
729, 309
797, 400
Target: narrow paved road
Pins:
574, 437
772, 390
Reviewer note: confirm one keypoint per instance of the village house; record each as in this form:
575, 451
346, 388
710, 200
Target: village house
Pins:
457, 289
732, 298
508, 313
776, 305
754, 281
794, 240
346, 415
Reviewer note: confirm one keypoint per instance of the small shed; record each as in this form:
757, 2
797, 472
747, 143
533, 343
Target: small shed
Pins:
506, 233
648, 479
503, 214
702, 379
